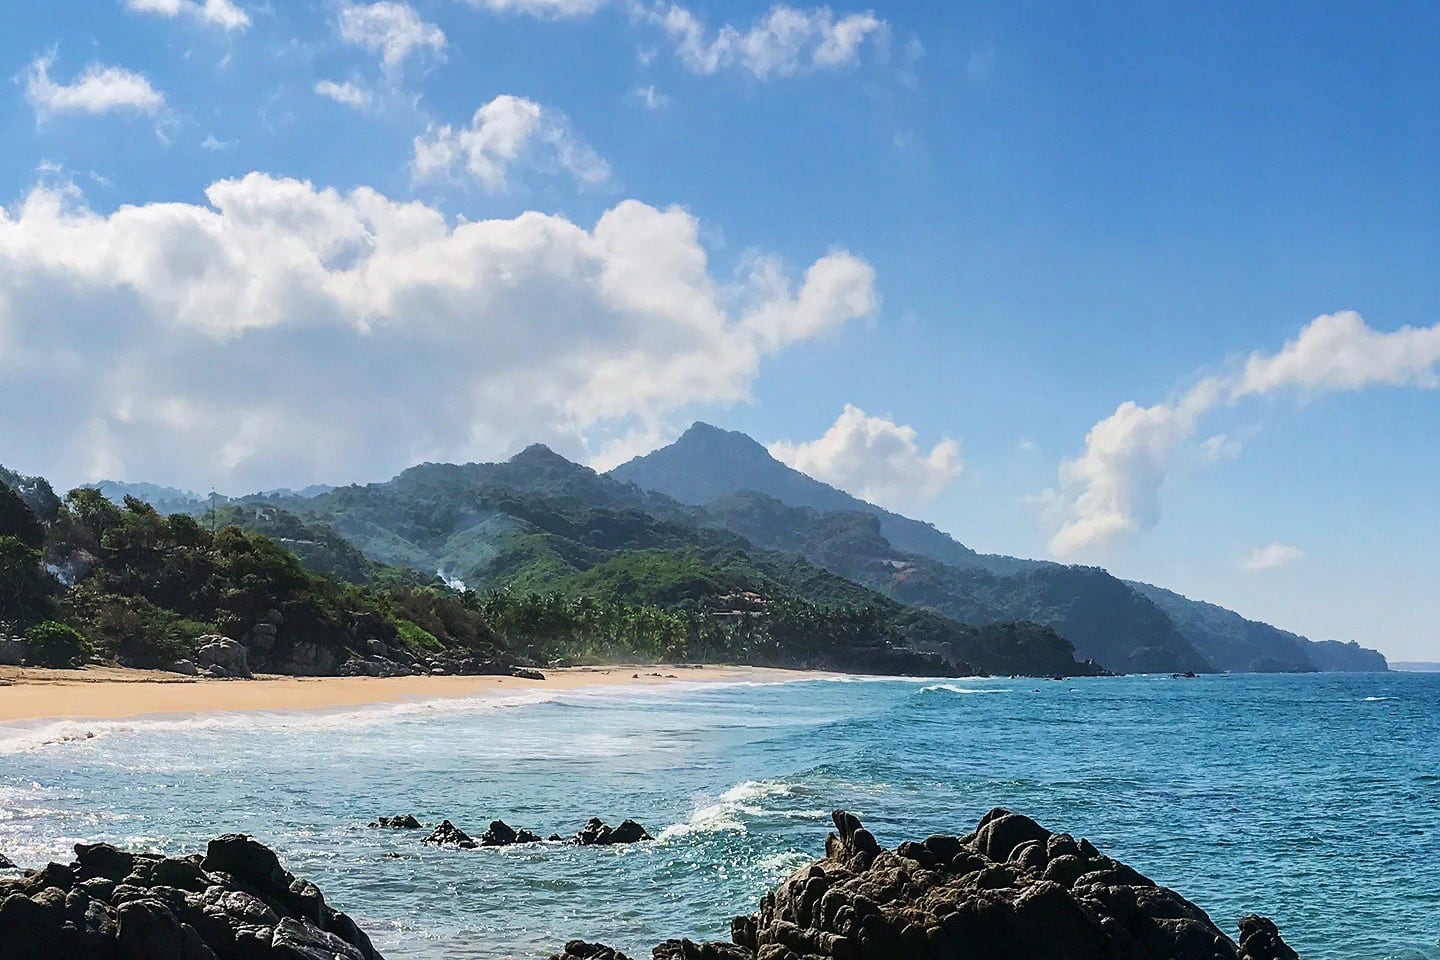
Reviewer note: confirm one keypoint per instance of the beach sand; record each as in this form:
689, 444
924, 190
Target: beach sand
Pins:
109, 693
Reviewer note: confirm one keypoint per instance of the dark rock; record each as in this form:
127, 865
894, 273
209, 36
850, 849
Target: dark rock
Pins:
1010, 891
500, 834
6, 863
1260, 940
596, 834
235, 903
449, 835
580, 950
406, 822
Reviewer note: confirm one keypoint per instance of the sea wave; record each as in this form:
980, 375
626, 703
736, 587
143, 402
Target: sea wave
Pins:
751, 799
962, 691
28, 737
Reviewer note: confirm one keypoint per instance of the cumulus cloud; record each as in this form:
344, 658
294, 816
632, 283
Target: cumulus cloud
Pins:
875, 459
787, 41
347, 94
220, 13
1271, 557
390, 29
281, 334
545, 9
1113, 488
1340, 351
98, 89
503, 133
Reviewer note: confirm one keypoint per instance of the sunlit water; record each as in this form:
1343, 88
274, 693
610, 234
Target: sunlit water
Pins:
1313, 799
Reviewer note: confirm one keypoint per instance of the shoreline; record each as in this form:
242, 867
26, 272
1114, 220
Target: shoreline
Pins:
28, 694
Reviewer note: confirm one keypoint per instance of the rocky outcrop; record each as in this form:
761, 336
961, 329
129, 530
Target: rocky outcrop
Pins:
404, 822
235, 903
449, 835
1011, 890
222, 657
596, 834
501, 834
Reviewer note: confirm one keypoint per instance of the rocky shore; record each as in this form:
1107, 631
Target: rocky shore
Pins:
1011, 890
235, 903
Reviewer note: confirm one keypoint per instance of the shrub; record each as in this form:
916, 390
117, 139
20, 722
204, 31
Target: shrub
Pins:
56, 645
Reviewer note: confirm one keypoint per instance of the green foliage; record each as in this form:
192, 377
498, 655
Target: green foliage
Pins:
17, 520
57, 645
26, 591
416, 638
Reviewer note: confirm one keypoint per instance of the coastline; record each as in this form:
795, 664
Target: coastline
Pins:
115, 693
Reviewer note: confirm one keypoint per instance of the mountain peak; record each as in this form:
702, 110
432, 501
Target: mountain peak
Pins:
710, 437
537, 453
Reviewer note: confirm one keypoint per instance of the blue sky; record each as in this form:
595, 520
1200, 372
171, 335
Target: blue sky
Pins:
1145, 286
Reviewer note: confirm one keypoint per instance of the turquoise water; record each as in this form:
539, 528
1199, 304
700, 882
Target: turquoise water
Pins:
1313, 799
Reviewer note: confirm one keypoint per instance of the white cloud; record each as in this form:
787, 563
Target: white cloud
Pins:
98, 89
220, 13
1113, 489
1221, 447
875, 459
503, 133
1271, 557
1339, 351
786, 41
391, 29
344, 93
282, 334
545, 9
650, 98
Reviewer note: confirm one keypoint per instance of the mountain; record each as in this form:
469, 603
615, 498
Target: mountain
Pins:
540, 524
1225, 637
1128, 626
1104, 619
708, 463
1333, 656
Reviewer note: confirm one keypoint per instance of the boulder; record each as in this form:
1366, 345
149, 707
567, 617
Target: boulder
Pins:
405, 822
580, 950
214, 651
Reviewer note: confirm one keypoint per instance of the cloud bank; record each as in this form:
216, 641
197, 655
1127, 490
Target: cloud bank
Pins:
1113, 488
875, 459
280, 333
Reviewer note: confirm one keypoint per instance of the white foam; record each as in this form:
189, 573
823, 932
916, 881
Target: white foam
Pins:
951, 688
725, 815
32, 736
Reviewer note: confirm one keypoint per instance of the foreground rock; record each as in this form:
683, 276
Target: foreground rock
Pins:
235, 903
1011, 890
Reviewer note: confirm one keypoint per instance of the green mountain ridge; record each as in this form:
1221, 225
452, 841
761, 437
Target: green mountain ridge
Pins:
1126, 625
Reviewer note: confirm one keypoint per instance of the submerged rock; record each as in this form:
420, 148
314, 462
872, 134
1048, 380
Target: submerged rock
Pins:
405, 822
235, 903
1012, 890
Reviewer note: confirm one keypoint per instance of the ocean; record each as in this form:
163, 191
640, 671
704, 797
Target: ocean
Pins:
1314, 800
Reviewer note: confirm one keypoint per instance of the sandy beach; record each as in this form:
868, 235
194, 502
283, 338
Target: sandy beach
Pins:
110, 693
